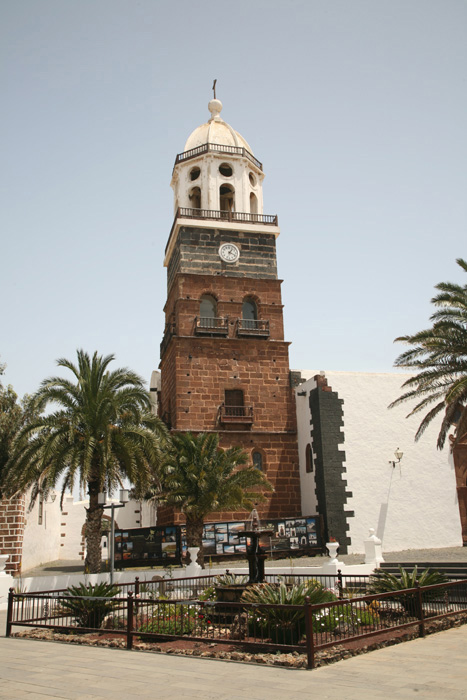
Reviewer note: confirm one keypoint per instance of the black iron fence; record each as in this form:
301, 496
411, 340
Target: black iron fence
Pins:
189, 609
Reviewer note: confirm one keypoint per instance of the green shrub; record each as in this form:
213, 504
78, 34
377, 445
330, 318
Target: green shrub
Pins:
171, 619
89, 604
328, 619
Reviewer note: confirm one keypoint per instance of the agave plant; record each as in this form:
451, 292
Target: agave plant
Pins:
385, 582
284, 624
229, 579
89, 604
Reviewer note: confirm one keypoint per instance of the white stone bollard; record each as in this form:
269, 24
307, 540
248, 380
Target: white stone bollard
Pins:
193, 568
373, 550
6, 582
332, 548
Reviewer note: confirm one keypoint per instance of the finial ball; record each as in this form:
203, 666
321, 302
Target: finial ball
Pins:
215, 107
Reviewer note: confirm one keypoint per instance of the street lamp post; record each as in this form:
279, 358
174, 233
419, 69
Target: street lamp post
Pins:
102, 497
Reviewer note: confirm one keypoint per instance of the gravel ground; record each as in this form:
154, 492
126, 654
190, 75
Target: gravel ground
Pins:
450, 554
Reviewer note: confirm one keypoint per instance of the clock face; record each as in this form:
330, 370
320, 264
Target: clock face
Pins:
229, 252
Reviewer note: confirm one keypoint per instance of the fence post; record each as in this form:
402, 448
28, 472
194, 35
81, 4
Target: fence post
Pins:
421, 617
9, 615
136, 593
340, 584
129, 622
310, 643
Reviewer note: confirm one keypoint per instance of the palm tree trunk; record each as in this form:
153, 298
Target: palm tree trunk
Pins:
93, 531
194, 536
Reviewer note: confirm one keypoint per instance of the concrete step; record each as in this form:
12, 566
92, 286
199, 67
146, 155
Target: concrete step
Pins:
452, 569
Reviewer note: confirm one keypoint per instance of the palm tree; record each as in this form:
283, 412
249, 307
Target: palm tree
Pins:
440, 355
99, 431
200, 478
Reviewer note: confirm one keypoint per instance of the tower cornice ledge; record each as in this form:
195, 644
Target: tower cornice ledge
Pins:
228, 221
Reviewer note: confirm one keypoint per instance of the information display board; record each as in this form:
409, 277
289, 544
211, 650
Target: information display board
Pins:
148, 546
164, 546
290, 535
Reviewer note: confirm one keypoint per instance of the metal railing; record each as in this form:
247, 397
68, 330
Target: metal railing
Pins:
211, 326
235, 414
150, 615
217, 148
253, 327
222, 215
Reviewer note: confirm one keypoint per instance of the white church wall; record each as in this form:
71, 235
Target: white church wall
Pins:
42, 532
59, 534
413, 505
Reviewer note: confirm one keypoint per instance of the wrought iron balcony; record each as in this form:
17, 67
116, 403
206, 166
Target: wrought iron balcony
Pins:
211, 326
217, 148
254, 328
235, 414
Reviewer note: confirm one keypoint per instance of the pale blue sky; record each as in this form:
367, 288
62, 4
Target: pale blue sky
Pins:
357, 109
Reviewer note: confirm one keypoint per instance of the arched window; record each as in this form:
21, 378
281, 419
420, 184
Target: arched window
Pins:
249, 314
195, 197
253, 203
226, 198
308, 458
257, 460
207, 312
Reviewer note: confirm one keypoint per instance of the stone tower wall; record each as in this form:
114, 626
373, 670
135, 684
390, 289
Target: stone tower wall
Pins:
12, 524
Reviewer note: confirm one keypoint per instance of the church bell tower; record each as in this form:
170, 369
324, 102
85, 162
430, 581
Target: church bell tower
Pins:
224, 362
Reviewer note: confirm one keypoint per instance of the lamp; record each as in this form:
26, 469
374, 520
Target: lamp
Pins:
101, 499
398, 455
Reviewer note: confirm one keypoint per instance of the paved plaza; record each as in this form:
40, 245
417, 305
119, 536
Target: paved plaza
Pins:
434, 667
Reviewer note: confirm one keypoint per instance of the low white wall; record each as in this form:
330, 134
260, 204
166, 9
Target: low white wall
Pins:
411, 506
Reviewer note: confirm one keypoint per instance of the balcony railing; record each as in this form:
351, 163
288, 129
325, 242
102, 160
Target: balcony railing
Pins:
220, 215
217, 148
211, 326
235, 414
251, 327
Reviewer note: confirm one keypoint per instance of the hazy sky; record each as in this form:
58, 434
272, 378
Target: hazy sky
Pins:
357, 109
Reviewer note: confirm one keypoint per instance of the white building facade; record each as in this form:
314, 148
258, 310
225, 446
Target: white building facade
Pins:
347, 439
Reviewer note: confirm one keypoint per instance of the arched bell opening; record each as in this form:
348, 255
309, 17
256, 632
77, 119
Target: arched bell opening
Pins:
253, 203
194, 196
226, 198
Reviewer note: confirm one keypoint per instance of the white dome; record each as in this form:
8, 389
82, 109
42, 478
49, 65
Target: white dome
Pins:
216, 130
